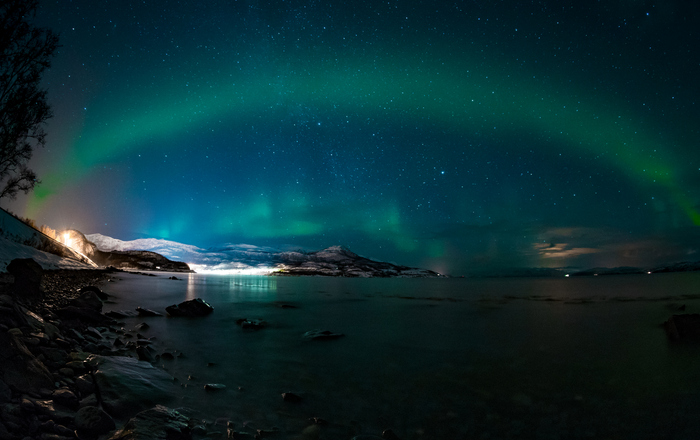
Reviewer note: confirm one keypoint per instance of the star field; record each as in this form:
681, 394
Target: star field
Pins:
457, 136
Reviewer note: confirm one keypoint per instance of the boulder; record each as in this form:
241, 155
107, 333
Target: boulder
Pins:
127, 385
91, 422
28, 274
193, 308
159, 423
685, 327
100, 294
318, 335
87, 300
65, 397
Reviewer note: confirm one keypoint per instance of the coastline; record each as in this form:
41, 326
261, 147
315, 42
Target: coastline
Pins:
52, 343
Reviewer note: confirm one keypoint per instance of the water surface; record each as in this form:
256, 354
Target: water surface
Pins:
433, 358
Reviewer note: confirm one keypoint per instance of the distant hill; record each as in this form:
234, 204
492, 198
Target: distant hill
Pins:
332, 261
127, 259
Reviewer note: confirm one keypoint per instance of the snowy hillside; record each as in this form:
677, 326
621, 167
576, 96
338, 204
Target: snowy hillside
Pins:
234, 258
18, 240
244, 258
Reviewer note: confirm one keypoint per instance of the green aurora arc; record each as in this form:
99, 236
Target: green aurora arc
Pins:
451, 95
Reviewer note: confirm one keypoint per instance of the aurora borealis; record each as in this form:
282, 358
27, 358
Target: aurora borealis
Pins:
456, 136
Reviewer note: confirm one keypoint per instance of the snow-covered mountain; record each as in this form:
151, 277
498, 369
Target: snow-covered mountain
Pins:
332, 261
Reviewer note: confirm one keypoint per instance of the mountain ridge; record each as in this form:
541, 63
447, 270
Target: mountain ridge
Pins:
335, 260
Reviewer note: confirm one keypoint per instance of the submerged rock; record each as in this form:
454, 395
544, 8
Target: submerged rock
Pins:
191, 309
253, 324
321, 335
685, 327
291, 397
147, 312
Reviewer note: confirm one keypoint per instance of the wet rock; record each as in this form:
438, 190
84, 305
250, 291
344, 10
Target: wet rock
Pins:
214, 386
157, 423
66, 398
96, 290
127, 385
142, 326
317, 335
145, 353
147, 312
88, 300
91, 422
120, 314
19, 368
193, 308
85, 384
366, 437
685, 327
57, 413
251, 324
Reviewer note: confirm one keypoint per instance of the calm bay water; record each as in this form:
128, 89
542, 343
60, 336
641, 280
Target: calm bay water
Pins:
433, 358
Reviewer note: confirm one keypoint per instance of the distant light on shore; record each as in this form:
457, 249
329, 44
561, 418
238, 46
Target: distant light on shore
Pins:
223, 270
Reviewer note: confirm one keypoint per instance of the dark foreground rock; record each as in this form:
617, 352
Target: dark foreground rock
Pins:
28, 276
91, 422
685, 327
159, 423
127, 384
190, 309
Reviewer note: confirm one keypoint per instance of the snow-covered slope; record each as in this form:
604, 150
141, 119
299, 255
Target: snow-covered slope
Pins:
332, 261
229, 257
18, 240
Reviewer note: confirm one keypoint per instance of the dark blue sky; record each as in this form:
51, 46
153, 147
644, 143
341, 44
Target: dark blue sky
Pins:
458, 136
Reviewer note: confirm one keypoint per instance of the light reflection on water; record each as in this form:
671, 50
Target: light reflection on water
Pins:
417, 351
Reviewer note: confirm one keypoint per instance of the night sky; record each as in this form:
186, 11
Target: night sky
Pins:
456, 136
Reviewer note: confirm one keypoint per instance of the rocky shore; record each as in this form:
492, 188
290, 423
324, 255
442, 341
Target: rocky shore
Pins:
68, 371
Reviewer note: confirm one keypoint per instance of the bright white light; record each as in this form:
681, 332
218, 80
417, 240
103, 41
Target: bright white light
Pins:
223, 270
66, 239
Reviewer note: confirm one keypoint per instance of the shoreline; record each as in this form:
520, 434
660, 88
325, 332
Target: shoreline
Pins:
52, 342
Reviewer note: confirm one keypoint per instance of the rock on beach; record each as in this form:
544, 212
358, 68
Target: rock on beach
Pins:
127, 384
190, 309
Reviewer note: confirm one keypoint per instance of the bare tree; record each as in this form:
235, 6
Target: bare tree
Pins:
25, 53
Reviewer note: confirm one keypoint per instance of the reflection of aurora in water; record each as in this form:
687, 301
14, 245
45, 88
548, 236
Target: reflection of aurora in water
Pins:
440, 138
